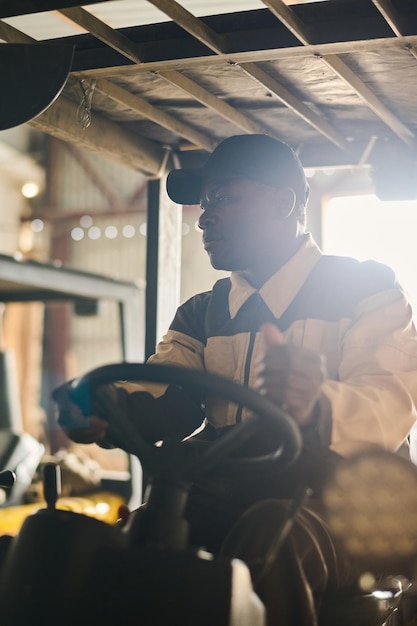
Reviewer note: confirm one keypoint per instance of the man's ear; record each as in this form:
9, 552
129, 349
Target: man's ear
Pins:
285, 201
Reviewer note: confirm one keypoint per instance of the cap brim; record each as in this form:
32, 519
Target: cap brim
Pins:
184, 186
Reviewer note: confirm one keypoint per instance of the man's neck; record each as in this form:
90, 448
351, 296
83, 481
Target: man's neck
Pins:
258, 275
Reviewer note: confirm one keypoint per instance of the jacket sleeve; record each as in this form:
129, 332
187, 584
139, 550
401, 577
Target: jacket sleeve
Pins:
373, 402
162, 411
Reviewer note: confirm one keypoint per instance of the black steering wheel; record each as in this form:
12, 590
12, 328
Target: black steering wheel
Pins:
124, 435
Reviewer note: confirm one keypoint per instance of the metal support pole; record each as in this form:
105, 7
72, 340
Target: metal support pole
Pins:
163, 263
152, 253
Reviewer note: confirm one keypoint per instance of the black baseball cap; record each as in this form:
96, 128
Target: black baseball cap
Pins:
257, 157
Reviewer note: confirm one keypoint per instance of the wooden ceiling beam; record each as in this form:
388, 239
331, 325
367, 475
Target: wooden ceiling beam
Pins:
191, 24
104, 33
290, 20
211, 101
287, 16
144, 108
114, 68
293, 103
390, 15
374, 103
102, 136
394, 20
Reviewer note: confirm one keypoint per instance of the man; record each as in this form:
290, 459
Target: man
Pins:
328, 338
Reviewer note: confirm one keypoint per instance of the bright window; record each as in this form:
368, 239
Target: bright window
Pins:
367, 228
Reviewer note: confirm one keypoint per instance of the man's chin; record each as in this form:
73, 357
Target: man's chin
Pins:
224, 258
223, 264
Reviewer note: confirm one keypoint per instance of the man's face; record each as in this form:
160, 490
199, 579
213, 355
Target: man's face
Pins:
238, 221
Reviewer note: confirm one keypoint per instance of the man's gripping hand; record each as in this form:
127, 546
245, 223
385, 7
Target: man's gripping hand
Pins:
291, 376
77, 426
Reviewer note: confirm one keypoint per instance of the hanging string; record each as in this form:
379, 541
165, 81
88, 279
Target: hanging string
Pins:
84, 108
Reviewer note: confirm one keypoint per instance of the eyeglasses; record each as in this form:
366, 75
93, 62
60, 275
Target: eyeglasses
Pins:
218, 201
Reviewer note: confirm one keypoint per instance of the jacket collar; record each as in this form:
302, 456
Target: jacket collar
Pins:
279, 290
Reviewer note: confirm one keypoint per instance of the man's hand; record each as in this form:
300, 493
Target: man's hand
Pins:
78, 427
290, 375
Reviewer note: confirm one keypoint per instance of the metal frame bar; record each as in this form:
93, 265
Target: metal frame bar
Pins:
24, 281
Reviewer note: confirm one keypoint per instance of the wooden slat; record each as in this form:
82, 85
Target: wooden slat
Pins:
374, 103
143, 107
390, 15
393, 19
283, 13
251, 56
295, 104
101, 31
213, 102
289, 19
191, 24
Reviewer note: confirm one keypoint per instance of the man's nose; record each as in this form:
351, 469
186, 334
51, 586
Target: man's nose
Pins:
206, 218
